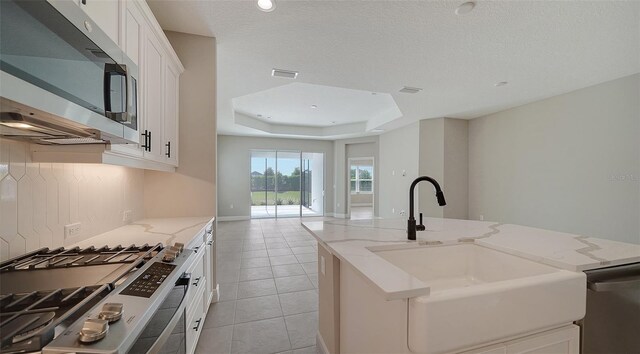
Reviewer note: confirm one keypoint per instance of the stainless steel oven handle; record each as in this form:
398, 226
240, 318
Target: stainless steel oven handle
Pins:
166, 332
614, 285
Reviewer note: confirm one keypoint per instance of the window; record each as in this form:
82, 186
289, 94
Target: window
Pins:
361, 179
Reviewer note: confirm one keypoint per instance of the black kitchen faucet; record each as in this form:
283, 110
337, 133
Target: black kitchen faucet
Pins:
411, 223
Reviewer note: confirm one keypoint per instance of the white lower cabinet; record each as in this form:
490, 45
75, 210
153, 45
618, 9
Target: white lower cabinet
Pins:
195, 320
201, 289
197, 277
564, 340
209, 268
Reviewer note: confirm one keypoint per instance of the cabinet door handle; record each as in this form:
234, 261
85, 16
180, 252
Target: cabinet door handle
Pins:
145, 146
149, 147
195, 250
197, 281
210, 243
168, 145
197, 324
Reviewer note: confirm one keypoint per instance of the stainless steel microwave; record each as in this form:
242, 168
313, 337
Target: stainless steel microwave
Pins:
56, 60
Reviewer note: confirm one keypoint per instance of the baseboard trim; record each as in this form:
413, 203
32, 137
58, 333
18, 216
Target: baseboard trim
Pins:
320, 344
340, 216
215, 296
233, 218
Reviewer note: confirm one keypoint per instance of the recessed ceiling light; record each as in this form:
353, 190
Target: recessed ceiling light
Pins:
501, 83
465, 8
333, 122
313, 106
259, 115
266, 5
373, 93
289, 74
408, 89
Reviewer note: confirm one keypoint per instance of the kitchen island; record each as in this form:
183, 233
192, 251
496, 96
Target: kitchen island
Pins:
362, 293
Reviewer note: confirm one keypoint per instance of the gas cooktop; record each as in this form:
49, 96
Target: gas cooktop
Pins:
43, 292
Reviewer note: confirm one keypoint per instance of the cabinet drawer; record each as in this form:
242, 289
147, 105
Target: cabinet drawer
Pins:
195, 320
197, 276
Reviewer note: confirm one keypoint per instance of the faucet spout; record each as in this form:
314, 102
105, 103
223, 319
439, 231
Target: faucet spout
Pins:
411, 223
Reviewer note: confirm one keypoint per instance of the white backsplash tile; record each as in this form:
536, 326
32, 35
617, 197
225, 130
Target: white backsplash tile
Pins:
38, 199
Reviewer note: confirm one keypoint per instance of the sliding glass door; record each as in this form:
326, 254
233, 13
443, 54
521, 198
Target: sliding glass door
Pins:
286, 184
312, 184
263, 184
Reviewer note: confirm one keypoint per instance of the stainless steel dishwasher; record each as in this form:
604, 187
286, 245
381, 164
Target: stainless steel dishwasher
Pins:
612, 322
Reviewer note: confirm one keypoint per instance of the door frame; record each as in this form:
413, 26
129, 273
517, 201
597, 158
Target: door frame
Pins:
373, 183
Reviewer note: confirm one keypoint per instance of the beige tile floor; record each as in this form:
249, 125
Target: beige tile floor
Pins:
268, 276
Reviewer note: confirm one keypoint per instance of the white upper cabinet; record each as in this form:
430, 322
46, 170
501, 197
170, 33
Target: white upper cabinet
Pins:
161, 71
131, 25
171, 112
153, 95
105, 13
132, 29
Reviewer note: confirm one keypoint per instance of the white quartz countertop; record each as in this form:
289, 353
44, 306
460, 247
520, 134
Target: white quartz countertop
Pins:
350, 241
151, 231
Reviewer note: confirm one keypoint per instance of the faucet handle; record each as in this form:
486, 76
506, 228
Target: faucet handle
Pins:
420, 227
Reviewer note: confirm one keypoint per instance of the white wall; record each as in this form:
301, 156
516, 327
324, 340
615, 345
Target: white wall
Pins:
399, 151
431, 163
38, 199
569, 163
234, 161
191, 190
317, 184
456, 168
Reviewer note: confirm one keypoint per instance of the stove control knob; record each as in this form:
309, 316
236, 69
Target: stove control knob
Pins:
169, 256
175, 250
93, 330
111, 312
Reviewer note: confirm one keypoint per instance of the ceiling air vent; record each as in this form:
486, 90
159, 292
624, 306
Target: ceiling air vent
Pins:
284, 73
408, 89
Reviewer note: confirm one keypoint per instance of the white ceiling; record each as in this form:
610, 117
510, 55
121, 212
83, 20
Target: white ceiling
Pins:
542, 48
315, 107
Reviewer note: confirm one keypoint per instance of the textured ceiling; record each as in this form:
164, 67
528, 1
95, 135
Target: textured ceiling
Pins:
542, 48
315, 106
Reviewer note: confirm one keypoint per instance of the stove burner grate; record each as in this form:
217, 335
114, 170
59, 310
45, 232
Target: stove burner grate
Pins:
30, 318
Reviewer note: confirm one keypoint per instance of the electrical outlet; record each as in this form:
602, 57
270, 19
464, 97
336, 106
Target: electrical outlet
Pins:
230, 206
72, 230
126, 216
402, 212
481, 217
393, 210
